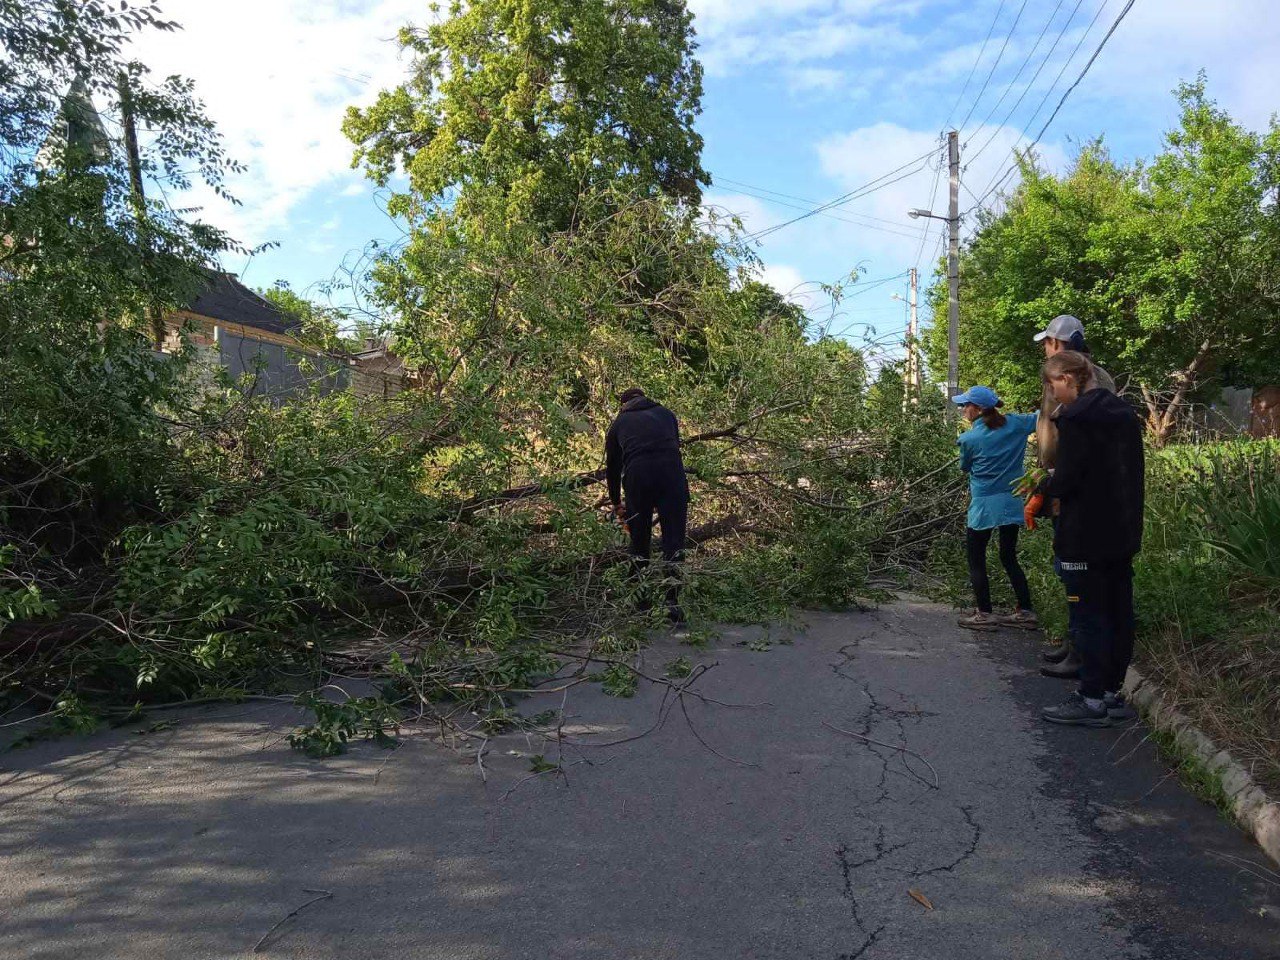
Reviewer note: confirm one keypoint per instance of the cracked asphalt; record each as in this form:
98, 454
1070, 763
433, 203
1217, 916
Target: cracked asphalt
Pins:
789, 814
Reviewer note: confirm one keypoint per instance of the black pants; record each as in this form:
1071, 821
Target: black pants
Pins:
976, 541
662, 487
1100, 596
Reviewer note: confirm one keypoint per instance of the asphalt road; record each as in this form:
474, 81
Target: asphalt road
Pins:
753, 830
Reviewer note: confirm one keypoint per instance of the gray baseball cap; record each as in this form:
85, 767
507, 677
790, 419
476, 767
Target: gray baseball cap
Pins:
1060, 327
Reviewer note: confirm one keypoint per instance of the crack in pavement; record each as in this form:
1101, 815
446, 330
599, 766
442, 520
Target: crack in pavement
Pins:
846, 870
968, 854
878, 719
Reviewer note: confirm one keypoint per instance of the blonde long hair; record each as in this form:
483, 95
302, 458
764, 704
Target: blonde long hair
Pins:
1080, 368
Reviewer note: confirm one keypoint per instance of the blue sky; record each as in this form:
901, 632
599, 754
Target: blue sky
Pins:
804, 101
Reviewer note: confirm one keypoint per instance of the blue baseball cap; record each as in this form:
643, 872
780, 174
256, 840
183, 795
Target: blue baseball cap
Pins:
983, 397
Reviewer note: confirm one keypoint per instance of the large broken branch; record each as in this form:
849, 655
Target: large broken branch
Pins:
592, 477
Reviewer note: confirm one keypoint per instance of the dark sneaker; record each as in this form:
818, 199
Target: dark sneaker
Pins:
1076, 712
1118, 707
1068, 669
1056, 653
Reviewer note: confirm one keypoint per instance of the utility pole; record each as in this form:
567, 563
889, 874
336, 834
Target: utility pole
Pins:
953, 267
912, 375
131, 145
136, 195
953, 263
913, 349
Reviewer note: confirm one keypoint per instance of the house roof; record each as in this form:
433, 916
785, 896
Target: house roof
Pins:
226, 298
76, 129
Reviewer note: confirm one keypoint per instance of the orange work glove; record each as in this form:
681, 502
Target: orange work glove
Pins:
1032, 509
620, 512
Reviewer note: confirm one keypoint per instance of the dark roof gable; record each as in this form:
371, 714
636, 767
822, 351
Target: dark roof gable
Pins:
226, 298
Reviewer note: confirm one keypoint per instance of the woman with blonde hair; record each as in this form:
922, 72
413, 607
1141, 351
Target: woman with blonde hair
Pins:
1098, 483
1064, 332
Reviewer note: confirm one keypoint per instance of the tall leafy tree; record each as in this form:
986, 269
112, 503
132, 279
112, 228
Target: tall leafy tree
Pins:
516, 109
82, 261
1173, 266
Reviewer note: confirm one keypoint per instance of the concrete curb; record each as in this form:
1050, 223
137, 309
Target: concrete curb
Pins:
1257, 813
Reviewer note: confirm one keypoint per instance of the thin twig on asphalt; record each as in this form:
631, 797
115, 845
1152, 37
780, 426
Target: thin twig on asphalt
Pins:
890, 746
323, 895
694, 731
1249, 867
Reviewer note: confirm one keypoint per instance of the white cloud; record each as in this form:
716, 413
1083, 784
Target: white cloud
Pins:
355, 189
744, 34
791, 283
824, 79
277, 78
1160, 44
788, 281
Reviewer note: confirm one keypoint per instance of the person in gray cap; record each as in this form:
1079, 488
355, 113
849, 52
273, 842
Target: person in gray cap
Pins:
1064, 332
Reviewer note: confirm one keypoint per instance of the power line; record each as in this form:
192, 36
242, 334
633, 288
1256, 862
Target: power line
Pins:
1114, 26
1063, 69
867, 188
928, 222
832, 216
1030, 83
977, 60
1123, 13
1000, 177
1021, 67
991, 72
791, 196
868, 285
862, 287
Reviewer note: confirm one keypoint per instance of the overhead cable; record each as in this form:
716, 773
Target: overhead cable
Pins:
871, 186
991, 72
1114, 26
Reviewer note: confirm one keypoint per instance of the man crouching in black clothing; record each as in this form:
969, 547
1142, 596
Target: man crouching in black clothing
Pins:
642, 455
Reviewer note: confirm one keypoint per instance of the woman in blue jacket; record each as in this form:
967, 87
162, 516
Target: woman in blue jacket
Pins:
992, 452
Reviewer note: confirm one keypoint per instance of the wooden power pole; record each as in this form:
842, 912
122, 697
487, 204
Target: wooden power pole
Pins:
913, 349
953, 267
136, 195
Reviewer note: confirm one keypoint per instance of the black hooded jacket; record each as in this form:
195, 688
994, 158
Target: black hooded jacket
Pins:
644, 436
1098, 480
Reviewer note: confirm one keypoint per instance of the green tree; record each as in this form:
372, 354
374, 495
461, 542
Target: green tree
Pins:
321, 325
1030, 263
1172, 265
82, 263
515, 109
1201, 260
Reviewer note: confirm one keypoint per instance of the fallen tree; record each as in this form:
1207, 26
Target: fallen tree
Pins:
165, 543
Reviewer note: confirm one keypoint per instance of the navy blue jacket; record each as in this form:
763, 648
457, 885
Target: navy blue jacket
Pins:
645, 435
1098, 480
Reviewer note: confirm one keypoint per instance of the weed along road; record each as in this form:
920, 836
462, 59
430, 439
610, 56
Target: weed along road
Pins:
875, 785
